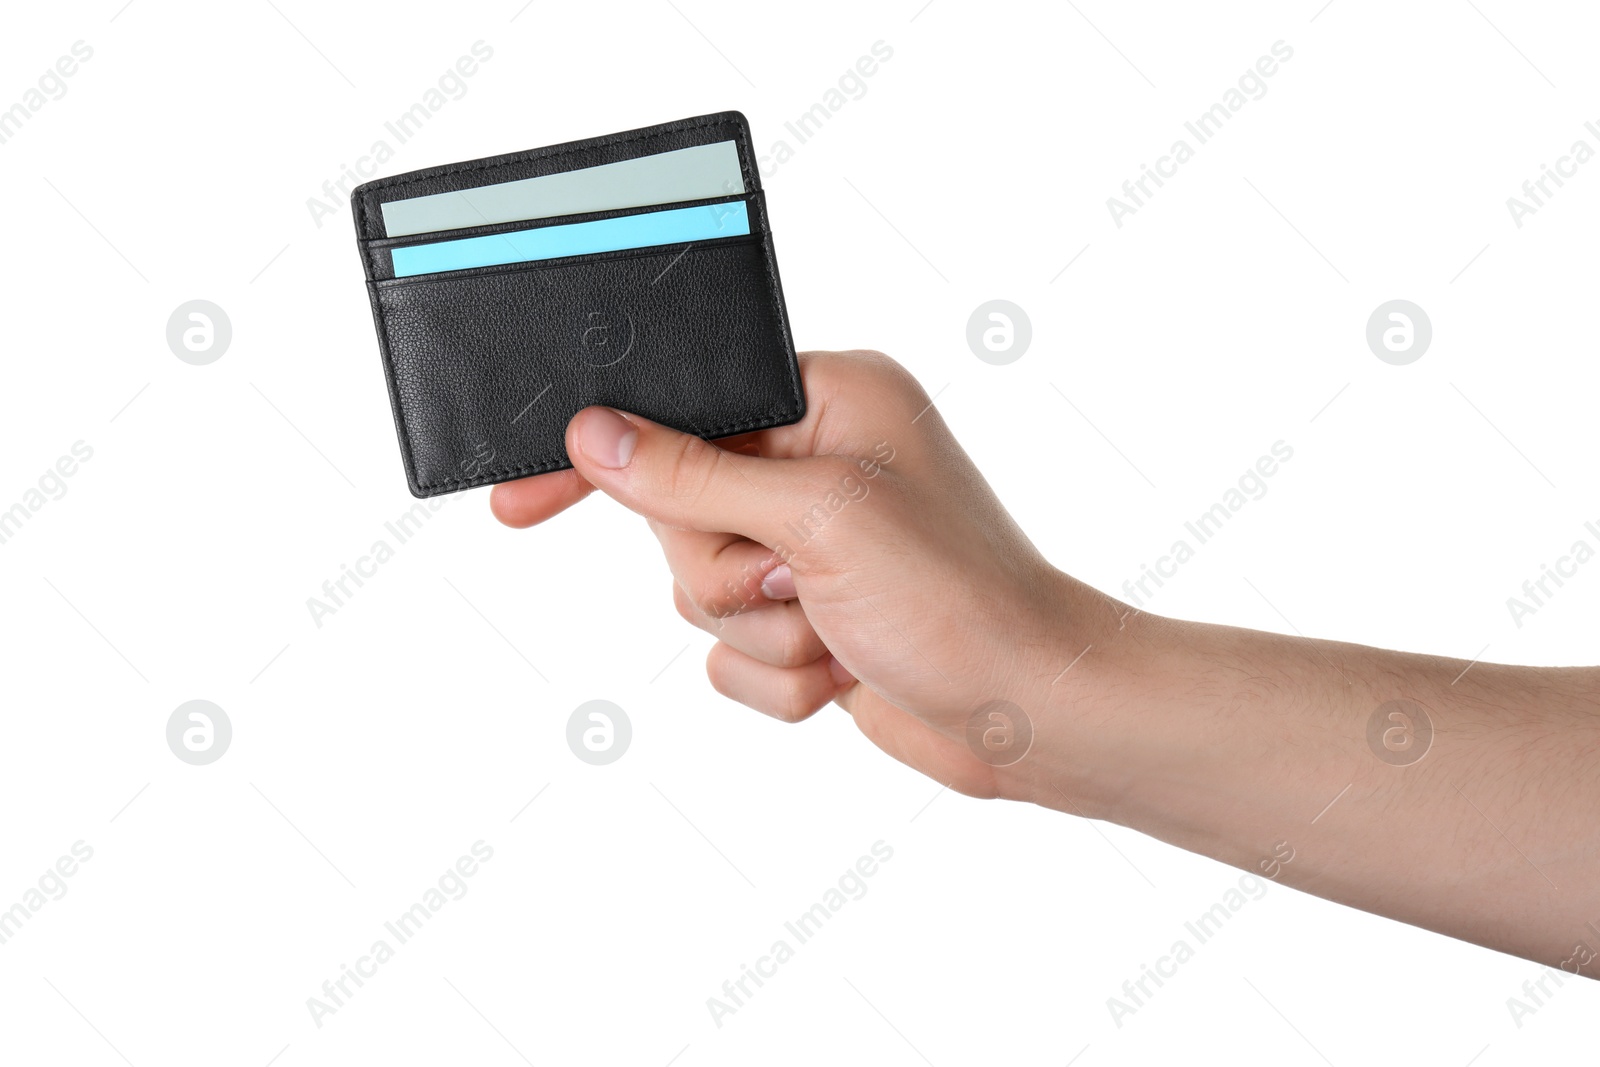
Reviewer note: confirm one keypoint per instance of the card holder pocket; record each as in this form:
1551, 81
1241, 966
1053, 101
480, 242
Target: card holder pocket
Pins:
487, 366
709, 219
368, 199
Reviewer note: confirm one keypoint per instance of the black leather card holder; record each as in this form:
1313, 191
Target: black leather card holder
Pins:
486, 365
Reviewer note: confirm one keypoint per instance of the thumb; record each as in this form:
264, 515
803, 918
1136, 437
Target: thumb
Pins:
679, 479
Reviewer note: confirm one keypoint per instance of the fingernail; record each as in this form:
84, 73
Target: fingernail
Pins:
840, 675
779, 583
608, 438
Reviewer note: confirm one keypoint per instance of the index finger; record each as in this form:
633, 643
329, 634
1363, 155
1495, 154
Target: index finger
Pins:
530, 501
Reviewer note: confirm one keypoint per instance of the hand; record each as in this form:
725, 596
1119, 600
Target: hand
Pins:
857, 556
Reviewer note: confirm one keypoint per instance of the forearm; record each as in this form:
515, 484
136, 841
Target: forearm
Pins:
1249, 746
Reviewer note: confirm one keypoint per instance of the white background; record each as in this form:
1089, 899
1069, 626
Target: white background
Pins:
368, 754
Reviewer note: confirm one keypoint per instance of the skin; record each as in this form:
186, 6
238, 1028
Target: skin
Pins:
812, 553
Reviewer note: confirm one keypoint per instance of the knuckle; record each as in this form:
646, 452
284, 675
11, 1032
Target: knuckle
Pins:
791, 647
692, 469
904, 391
872, 381
719, 602
711, 606
797, 650
794, 698
881, 368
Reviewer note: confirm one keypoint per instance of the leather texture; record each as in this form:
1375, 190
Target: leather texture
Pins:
486, 366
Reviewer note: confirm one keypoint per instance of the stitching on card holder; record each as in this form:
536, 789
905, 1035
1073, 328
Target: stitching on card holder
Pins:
389, 284
546, 466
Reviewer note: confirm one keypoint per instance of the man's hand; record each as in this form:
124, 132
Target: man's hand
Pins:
857, 556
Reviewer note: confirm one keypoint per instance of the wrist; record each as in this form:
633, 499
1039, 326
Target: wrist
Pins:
1101, 683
